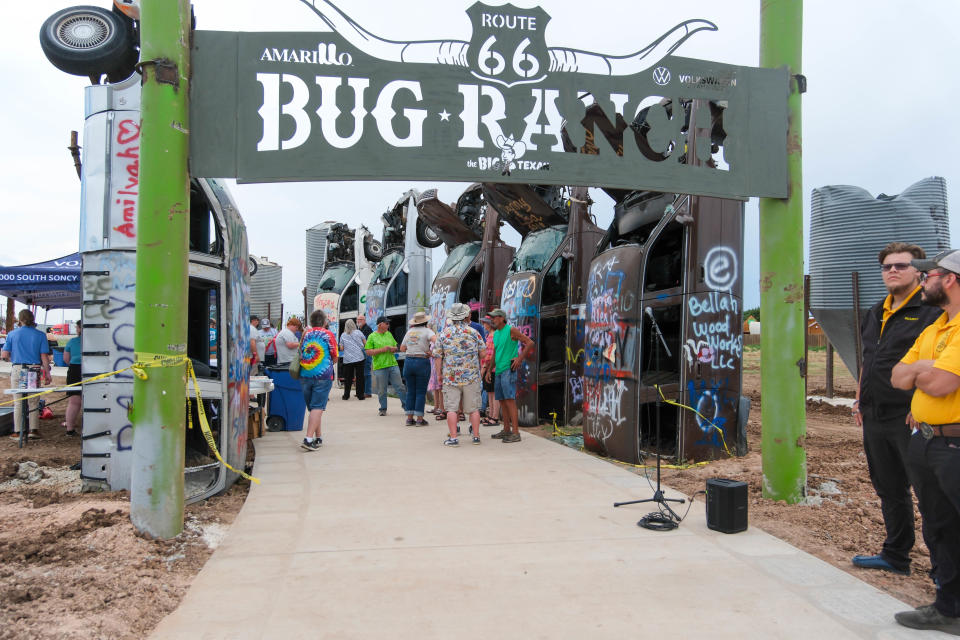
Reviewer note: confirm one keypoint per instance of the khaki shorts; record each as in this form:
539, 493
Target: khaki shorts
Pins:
469, 392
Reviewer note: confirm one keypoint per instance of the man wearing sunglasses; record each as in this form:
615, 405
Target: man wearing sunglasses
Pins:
889, 330
932, 368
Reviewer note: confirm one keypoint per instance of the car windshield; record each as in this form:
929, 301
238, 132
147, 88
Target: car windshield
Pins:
335, 278
387, 267
459, 259
537, 248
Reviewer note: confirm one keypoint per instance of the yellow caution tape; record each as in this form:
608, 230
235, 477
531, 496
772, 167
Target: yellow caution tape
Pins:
143, 361
63, 386
205, 427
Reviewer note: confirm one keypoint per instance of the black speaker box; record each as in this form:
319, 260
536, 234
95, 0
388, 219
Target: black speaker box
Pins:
726, 505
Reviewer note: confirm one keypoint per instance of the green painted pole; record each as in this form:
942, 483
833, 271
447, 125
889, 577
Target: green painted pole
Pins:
783, 405
156, 488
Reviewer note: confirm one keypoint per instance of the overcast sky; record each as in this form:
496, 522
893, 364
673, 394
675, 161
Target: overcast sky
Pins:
881, 88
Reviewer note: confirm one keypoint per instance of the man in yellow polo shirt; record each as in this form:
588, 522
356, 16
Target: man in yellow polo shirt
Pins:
932, 368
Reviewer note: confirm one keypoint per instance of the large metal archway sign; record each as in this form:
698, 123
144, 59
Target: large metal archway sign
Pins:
503, 107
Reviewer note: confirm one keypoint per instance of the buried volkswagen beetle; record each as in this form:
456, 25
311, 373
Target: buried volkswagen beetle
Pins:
477, 258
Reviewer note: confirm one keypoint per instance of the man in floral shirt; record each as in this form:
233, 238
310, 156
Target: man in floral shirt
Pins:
459, 348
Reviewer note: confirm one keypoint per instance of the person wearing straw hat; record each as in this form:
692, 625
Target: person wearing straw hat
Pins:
417, 344
460, 347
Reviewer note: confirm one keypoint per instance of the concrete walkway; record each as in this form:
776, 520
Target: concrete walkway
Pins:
384, 533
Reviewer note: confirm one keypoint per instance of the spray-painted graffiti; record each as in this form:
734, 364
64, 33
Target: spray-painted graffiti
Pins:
329, 303
518, 297
238, 345
610, 350
519, 303
576, 389
441, 299
419, 302
109, 285
715, 323
125, 182
376, 297
720, 268
716, 410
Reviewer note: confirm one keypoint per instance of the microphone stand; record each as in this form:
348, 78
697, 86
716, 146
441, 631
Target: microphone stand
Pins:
658, 496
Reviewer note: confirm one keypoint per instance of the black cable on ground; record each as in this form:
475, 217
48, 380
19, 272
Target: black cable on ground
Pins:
664, 520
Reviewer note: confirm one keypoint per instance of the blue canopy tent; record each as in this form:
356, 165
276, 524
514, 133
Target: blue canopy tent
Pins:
52, 284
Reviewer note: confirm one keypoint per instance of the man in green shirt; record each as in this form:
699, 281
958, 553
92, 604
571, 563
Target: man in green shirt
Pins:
502, 369
381, 345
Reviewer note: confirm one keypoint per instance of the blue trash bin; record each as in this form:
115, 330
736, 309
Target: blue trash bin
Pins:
286, 401
58, 358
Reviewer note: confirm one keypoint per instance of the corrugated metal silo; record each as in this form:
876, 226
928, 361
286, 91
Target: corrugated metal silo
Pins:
848, 228
266, 289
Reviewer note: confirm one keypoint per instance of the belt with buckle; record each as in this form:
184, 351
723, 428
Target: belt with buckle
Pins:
934, 430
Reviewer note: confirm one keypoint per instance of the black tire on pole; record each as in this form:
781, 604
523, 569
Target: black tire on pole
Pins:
89, 41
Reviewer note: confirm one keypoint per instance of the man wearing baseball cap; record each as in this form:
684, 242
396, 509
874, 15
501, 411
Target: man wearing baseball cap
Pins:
932, 369
382, 345
502, 369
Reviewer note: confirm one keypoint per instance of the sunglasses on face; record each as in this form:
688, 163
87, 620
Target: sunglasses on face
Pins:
899, 266
926, 276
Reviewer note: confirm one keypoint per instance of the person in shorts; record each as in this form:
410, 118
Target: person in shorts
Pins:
27, 348
459, 346
489, 407
318, 359
502, 369
72, 355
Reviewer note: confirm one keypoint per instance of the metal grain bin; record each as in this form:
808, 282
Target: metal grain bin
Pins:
266, 290
316, 259
848, 228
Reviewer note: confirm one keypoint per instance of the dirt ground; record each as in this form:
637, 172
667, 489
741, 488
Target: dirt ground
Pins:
71, 563
60, 549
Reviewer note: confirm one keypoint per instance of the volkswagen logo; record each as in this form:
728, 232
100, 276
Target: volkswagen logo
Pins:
661, 75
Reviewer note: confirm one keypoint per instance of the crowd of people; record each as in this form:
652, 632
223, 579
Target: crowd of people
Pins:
907, 401
470, 370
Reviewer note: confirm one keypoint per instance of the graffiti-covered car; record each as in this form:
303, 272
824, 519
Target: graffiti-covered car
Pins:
218, 340
477, 258
669, 266
400, 284
341, 289
544, 294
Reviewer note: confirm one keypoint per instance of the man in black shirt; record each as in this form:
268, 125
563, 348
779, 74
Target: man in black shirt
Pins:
889, 330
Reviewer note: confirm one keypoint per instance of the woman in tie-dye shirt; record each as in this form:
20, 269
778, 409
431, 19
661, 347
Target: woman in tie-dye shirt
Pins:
318, 357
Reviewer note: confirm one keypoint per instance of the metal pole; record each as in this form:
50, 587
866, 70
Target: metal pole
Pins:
858, 337
829, 372
306, 316
806, 336
156, 487
783, 410
75, 153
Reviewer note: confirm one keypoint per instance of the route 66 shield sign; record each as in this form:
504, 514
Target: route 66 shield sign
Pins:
508, 45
